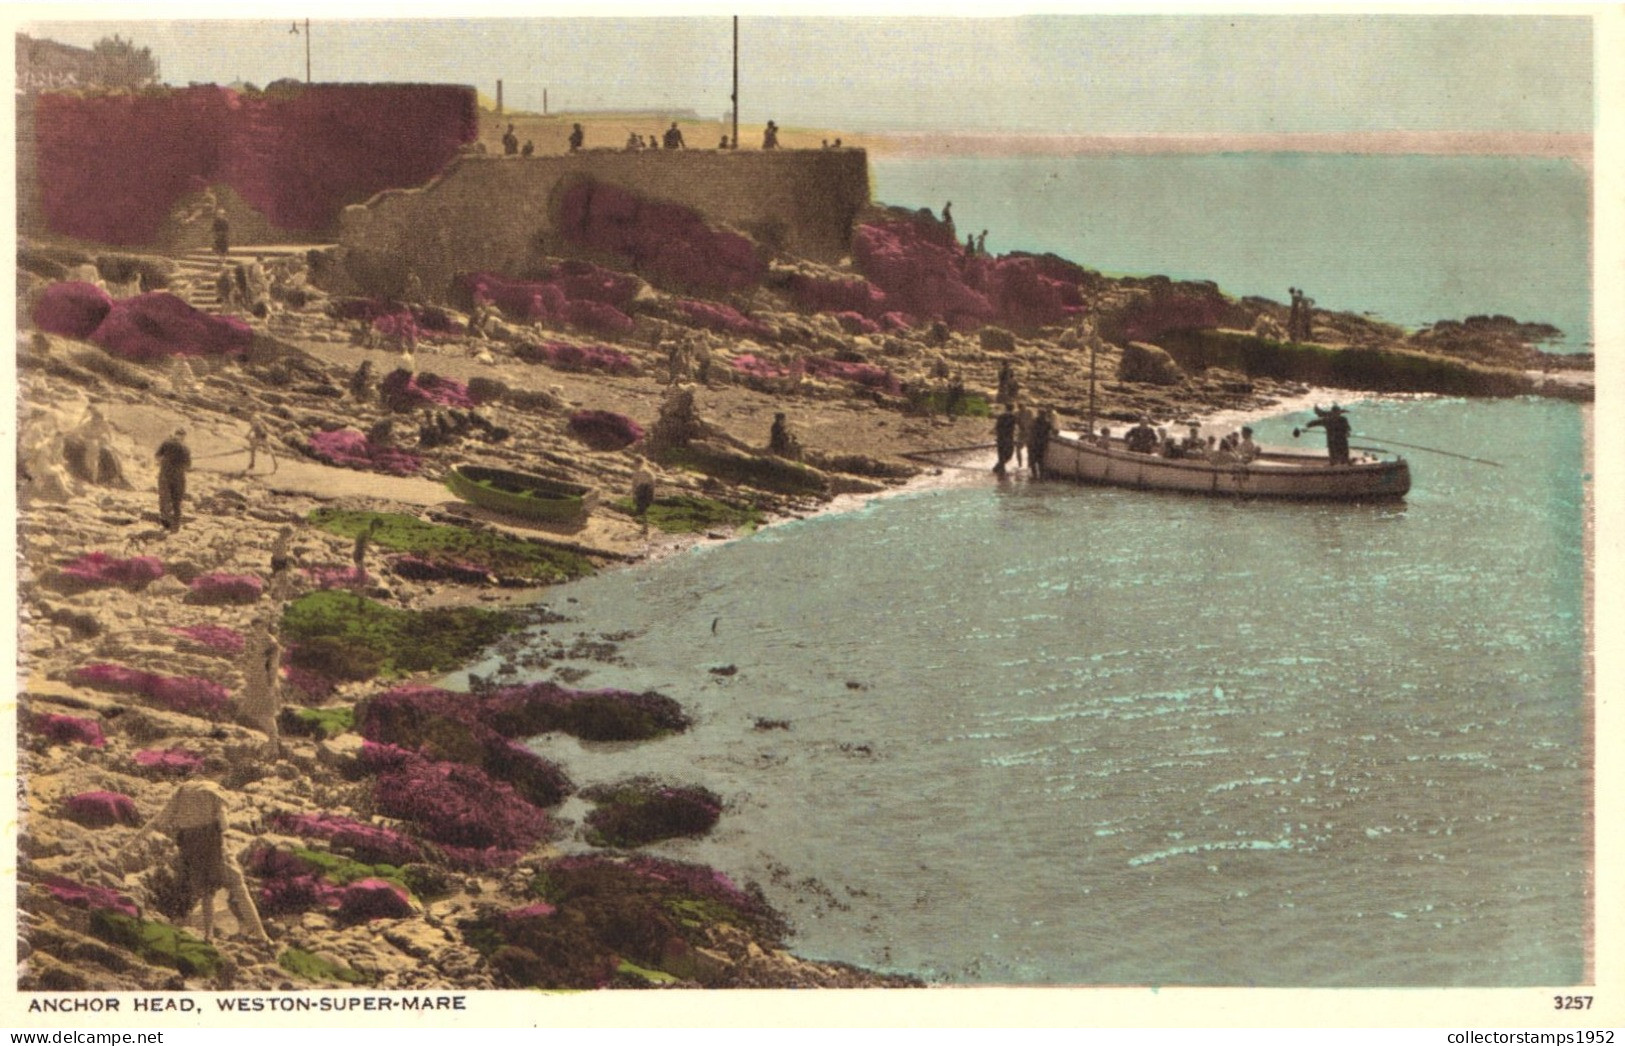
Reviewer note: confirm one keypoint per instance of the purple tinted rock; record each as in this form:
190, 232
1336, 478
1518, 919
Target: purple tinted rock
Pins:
225, 590
215, 638
369, 843
96, 569
72, 309
368, 899
177, 761
159, 325
101, 809
92, 897
66, 729
604, 430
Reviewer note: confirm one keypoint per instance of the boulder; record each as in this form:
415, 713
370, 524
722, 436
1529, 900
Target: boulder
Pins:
1150, 364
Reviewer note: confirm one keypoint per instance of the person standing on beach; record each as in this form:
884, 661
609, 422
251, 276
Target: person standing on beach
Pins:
1004, 436
643, 492
174, 458
510, 143
261, 702
577, 136
222, 233
1024, 431
673, 138
770, 136
1038, 444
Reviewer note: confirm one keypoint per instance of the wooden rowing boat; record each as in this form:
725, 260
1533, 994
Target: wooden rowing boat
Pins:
522, 494
1273, 474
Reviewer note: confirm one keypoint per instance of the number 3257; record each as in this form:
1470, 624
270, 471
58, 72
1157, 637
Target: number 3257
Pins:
1571, 1002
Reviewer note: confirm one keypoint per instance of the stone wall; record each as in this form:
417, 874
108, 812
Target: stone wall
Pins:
498, 214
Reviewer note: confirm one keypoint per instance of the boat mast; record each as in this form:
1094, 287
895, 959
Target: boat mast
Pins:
1094, 343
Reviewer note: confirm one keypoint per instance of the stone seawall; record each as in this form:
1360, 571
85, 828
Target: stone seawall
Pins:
499, 214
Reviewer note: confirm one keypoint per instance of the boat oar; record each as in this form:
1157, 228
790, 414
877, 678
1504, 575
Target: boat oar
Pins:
1413, 446
1433, 450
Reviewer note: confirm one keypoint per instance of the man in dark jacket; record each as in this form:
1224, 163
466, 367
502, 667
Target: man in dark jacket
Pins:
1337, 427
173, 460
1004, 436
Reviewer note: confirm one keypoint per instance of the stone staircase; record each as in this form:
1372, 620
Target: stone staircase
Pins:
198, 269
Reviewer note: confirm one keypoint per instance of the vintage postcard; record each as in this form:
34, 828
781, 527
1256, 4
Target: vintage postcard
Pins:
608, 517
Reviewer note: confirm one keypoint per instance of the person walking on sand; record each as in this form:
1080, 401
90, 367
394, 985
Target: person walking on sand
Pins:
1004, 436
643, 493
258, 440
196, 819
174, 458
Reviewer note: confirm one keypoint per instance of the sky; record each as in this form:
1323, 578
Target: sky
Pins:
1205, 73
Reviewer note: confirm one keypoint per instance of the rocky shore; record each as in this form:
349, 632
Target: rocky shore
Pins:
391, 834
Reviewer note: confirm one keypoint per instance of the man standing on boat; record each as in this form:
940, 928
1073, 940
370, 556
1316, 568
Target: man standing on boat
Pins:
1337, 427
1004, 436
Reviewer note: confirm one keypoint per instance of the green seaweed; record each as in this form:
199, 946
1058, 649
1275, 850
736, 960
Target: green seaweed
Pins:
334, 631
318, 722
341, 871
303, 964
498, 553
652, 976
157, 943
690, 514
971, 404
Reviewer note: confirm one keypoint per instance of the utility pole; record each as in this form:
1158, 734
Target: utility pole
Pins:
307, 52
735, 95
544, 101
499, 97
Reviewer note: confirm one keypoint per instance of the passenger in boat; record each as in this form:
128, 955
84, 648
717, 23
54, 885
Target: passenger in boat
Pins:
1142, 438
1336, 424
1194, 445
1105, 437
1004, 436
1246, 449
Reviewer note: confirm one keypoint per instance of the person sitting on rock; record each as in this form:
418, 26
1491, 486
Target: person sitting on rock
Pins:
196, 819
781, 442
529, 148
673, 138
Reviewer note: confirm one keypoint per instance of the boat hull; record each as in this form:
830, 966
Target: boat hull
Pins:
522, 494
1271, 475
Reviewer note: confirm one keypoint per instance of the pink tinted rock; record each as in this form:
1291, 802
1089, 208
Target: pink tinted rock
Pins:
177, 761
217, 639
96, 569
80, 895
159, 325
604, 430
225, 589
71, 309
66, 729
368, 899
101, 809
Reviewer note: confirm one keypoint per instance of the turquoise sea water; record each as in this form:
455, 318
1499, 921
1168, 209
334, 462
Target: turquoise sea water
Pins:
1050, 734
1412, 239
